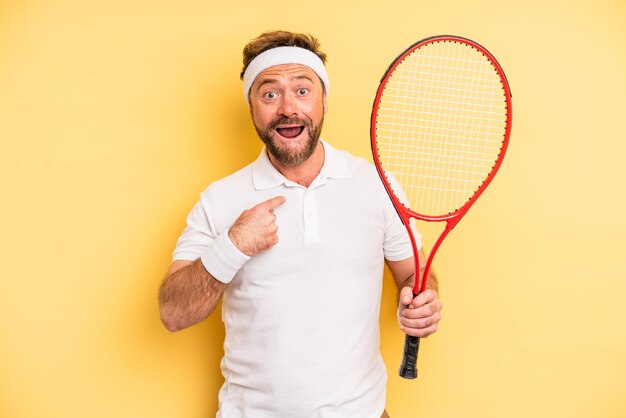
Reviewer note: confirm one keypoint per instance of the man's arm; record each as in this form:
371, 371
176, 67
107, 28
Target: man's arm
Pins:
418, 316
189, 293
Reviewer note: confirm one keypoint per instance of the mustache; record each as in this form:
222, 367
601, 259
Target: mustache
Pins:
284, 120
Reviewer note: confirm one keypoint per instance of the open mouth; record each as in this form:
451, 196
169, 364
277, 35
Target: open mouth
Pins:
290, 131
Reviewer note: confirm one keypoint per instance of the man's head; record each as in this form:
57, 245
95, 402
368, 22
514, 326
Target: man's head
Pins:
285, 83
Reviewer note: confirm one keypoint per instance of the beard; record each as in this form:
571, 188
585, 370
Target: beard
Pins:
290, 156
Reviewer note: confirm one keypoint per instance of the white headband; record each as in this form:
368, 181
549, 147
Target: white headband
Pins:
283, 55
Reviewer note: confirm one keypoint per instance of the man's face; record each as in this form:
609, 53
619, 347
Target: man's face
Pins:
287, 104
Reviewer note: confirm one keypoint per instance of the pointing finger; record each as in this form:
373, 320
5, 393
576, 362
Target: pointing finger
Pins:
271, 204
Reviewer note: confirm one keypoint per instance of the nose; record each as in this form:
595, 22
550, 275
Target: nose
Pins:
288, 106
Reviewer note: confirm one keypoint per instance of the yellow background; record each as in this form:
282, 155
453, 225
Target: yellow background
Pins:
115, 115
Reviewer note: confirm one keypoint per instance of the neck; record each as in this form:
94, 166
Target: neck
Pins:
304, 173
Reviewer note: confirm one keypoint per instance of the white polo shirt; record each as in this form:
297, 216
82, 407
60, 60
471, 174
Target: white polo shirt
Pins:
301, 318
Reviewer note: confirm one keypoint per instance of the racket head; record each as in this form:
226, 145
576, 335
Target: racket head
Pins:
440, 126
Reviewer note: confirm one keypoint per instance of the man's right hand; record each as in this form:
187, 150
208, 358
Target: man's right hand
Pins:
255, 230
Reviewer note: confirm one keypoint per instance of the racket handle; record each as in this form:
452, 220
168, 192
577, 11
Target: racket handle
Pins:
408, 368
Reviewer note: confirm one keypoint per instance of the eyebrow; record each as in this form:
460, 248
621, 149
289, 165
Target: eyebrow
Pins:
274, 80
305, 77
264, 82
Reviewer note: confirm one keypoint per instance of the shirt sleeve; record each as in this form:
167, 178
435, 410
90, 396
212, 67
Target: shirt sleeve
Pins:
397, 244
197, 236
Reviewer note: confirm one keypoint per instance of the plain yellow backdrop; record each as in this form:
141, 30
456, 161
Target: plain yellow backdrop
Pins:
115, 115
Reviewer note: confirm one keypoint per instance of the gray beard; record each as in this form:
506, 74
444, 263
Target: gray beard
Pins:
288, 157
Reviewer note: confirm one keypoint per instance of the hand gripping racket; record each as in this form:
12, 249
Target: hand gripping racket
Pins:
440, 126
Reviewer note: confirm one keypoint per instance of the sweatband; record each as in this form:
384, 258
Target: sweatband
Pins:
283, 55
222, 259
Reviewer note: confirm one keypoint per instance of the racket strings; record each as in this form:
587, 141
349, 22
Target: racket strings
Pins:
440, 125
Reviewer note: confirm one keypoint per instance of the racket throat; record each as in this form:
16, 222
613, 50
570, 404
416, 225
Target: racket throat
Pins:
421, 281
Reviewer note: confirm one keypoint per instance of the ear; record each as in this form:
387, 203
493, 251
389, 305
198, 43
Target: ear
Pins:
325, 103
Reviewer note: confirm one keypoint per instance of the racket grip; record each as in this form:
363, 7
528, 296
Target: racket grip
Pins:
408, 368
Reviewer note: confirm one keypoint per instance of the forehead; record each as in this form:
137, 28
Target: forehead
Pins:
286, 72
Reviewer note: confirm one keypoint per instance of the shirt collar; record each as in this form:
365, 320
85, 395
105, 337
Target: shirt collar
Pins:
265, 175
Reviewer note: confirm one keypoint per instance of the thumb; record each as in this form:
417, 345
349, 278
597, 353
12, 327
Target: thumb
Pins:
406, 295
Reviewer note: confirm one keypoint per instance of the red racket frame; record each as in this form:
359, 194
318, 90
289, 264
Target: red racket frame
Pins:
452, 218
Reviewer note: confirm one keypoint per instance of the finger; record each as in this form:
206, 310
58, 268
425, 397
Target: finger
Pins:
421, 322
272, 239
422, 333
423, 311
271, 204
427, 296
406, 295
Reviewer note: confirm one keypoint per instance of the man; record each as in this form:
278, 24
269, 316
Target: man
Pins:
295, 243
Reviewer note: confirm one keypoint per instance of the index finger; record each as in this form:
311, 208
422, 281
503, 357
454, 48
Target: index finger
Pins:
271, 204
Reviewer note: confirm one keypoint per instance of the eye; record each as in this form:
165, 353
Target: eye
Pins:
302, 91
270, 95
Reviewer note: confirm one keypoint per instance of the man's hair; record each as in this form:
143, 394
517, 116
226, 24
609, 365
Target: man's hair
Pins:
275, 39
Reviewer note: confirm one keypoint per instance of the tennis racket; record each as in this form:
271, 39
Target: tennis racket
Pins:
440, 127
